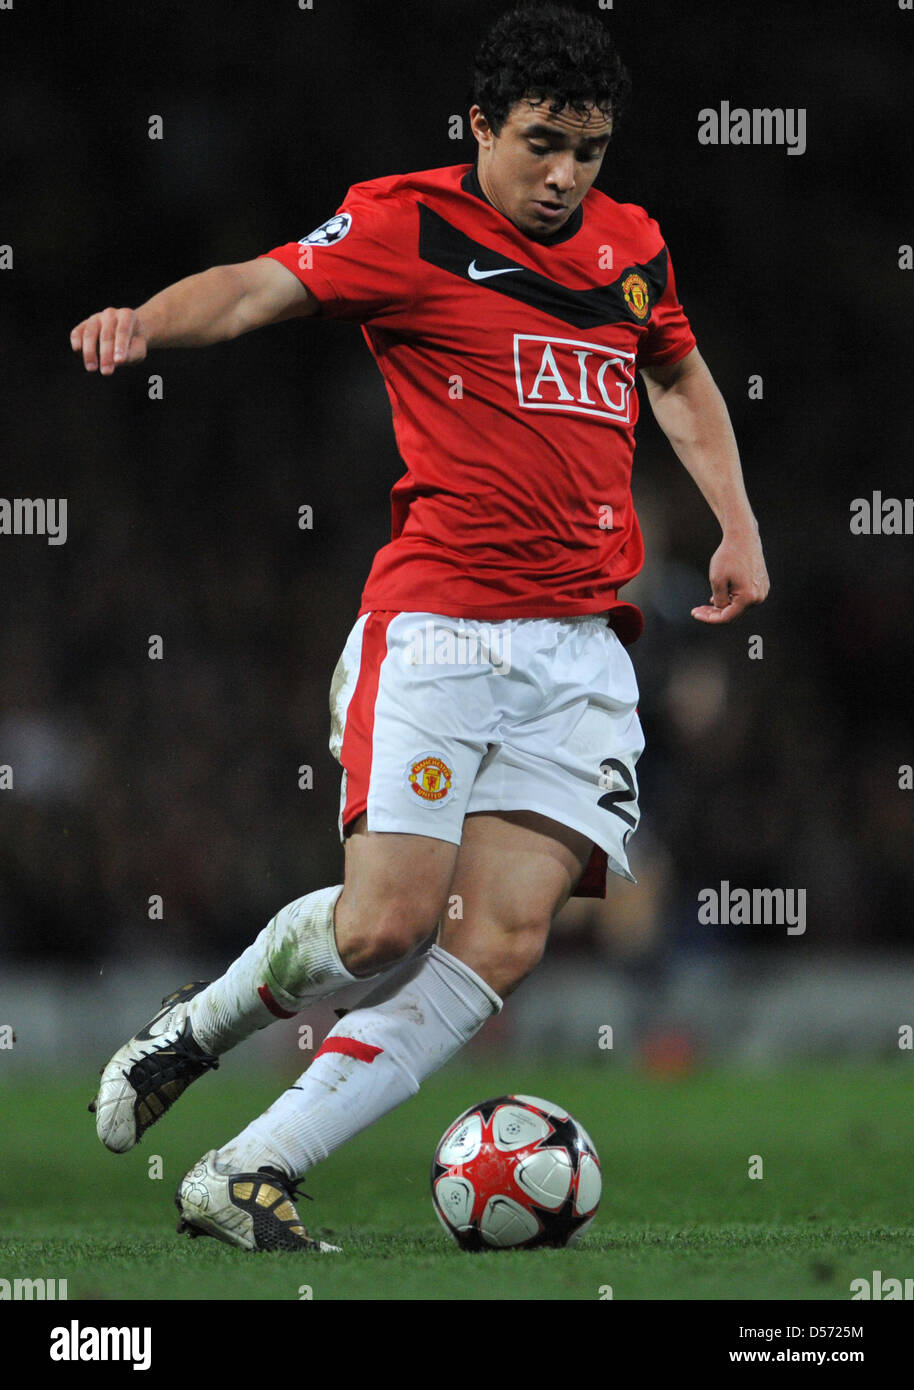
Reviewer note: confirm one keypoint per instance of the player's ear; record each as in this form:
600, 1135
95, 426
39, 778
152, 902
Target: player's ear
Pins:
480, 127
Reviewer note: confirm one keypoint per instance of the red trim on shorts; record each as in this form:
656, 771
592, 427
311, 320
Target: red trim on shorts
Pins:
271, 1004
358, 734
592, 883
350, 1047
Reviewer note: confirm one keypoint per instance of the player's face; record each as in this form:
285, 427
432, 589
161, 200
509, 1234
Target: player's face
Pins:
538, 168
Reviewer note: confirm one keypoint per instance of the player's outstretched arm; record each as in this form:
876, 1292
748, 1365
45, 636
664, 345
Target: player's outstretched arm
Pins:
211, 307
691, 412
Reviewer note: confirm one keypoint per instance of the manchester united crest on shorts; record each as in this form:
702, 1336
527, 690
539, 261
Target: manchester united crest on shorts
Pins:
637, 295
429, 777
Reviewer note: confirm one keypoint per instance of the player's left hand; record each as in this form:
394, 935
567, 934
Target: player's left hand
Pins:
738, 579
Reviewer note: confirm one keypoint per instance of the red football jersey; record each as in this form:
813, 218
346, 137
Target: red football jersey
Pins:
510, 365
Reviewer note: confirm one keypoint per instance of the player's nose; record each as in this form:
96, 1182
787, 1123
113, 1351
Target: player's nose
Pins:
561, 174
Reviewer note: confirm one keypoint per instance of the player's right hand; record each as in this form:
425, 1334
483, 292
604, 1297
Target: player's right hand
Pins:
113, 338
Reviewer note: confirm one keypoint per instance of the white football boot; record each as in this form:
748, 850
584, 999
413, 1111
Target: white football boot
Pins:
255, 1211
147, 1075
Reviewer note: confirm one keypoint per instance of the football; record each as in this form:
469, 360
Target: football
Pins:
514, 1173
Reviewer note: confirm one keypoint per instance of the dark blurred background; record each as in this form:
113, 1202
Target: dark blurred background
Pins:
179, 777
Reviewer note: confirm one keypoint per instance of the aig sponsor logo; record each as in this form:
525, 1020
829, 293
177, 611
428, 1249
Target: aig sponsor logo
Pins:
569, 374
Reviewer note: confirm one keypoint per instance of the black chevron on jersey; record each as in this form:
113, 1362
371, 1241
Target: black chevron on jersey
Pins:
446, 247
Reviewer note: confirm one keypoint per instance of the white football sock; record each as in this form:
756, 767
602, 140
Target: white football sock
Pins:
375, 1058
293, 963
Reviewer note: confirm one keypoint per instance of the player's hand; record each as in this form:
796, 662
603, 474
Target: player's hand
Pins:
113, 338
738, 579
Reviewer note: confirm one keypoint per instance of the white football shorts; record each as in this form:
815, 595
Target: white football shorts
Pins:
434, 717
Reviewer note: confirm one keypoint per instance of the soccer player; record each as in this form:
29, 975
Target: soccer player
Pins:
484, 709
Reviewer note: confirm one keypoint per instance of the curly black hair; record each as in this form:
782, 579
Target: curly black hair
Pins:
548, 52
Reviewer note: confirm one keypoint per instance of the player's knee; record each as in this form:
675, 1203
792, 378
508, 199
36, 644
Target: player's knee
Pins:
388, 934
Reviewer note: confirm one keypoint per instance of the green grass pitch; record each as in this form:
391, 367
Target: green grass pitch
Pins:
680, 1216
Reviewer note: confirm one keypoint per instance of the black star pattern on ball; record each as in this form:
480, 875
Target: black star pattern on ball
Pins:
567, 1134
487, 1108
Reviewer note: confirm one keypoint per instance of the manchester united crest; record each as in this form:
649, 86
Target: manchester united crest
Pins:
430, 778
637, 295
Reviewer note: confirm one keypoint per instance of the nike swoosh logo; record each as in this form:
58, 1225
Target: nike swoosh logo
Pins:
150, 1032
475, 274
